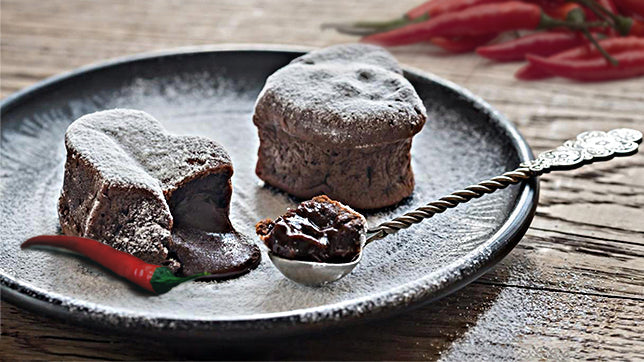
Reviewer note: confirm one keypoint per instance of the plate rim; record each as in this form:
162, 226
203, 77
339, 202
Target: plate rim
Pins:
496, 246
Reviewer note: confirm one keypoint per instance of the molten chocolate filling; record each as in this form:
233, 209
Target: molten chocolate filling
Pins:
203, 239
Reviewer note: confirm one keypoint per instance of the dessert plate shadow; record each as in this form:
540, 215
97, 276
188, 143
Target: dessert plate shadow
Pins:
211, 91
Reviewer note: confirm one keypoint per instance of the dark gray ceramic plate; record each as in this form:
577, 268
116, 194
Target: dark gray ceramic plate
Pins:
211, 92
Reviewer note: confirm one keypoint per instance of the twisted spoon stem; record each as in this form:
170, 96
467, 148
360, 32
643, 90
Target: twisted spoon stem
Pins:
586, 148
447, 202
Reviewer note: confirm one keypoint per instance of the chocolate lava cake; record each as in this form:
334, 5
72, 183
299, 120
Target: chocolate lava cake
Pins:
319, 229
130, 184
339, 121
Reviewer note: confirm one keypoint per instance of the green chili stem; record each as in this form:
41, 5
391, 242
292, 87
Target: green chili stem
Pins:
597, 8
548, 22
603, 51
382, 24
163, 279
577, 23
620, 23
371, 27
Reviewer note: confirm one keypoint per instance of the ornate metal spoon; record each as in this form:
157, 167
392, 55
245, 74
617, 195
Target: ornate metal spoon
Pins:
588, 147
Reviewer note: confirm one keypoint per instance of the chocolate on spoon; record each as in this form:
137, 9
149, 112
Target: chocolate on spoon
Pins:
321, 241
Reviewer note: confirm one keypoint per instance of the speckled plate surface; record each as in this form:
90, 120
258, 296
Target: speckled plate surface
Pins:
211, 92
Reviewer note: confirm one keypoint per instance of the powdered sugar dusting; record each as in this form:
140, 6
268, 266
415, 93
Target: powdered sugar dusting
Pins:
349, 95
208, 96
130, 147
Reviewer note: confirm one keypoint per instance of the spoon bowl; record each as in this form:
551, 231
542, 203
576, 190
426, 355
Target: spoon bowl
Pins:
314, 273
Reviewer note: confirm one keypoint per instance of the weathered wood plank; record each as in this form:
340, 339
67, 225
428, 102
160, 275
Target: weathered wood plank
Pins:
568, 262
571, 289
498, 322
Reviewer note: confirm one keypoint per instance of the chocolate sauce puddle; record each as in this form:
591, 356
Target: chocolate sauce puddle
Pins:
223, 255
203, 238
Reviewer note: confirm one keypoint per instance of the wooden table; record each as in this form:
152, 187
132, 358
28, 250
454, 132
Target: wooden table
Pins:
572, 288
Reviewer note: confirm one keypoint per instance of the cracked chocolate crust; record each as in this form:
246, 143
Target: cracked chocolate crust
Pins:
129, 183
339, 121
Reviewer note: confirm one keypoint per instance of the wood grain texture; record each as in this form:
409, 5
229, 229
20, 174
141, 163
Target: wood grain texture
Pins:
574, 286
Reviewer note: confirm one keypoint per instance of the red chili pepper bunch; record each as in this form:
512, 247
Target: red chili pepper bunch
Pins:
563, 42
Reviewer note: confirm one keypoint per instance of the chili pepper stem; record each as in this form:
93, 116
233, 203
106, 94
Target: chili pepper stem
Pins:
548, 22
349, 29
391, 23
623, 25
620, 23
577, 16
576, 20
370, 27
596, 8
603, 51
163, 279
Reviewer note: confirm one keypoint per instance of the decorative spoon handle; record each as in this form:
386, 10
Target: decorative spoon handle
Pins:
588, 147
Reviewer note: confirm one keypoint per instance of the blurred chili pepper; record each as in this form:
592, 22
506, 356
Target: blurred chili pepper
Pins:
462, 44
561, 11
631, 7
544, 44
631, 64
636, 28
608, 5
531, 72
363, 28
611, 45
477, 20
423, 8
435, 8
605, 4
606, 11
420, 13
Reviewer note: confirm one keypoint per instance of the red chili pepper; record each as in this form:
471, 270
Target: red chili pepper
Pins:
636, 28
608, 5
477, 20
561, 11
545, 43
576, 13
531, 72
418, 14
438, 7
631, 7
547, 3
462, 44
609, 13
631, 64
423, 9
590, 15
611, 45
154, 278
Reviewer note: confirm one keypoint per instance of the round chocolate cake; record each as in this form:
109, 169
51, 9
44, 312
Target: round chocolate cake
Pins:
339, 121
130, 184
